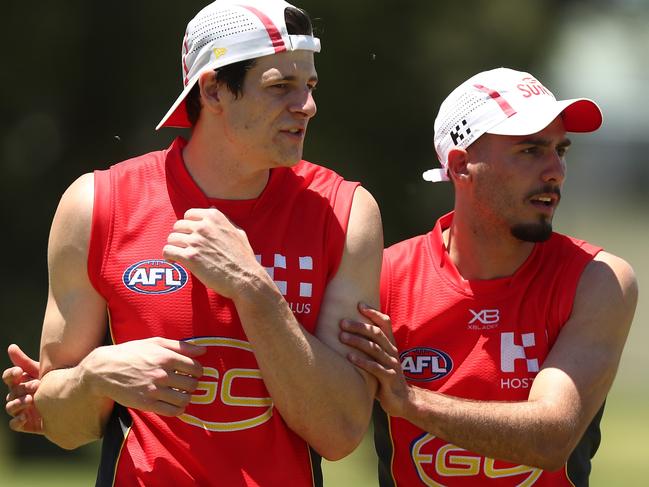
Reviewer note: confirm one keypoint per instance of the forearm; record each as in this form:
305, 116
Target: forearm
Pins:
72, 415
320, 395
530, 433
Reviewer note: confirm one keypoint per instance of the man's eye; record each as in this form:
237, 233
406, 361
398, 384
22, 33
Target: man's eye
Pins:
561, 151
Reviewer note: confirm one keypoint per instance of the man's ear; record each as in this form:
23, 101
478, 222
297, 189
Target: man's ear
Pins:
210, 94
458, 160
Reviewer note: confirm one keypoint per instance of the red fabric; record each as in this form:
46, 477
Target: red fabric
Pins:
502, 103
297, 228
481, 327
273, 33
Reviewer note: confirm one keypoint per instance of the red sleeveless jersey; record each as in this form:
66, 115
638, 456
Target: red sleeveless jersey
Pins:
482, 340
230, 434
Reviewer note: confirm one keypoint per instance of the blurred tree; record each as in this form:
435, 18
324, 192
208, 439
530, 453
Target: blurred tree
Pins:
85, 83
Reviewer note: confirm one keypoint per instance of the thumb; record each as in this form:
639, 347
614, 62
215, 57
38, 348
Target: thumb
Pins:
22, 360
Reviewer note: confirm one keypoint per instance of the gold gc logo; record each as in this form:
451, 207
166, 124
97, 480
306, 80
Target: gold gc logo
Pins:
228, 398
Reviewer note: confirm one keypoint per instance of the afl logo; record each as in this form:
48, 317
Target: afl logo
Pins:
425, 364
154, 276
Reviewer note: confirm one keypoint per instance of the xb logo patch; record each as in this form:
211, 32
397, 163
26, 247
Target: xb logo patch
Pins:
485, 316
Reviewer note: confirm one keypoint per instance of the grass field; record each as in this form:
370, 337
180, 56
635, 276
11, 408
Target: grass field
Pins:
623, 458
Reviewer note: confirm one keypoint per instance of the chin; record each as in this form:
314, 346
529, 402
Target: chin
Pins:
532, 232
288, 161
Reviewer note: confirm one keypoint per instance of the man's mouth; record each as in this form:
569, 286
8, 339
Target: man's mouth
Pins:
545, 200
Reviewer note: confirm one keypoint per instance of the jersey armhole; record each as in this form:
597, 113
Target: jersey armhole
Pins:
583, 256
386, 271
337, 229
101, 228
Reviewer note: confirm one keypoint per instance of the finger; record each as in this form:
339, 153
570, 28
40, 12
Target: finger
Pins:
370, 332
369, 348
174, 397
167, 402
378, 318
31, 386
15, 392
179, 239
12, 376
22, 360
181, 382
184, 226
188, 367
197, 214
165, 409
182, 347
23, 389
373, 367
18, 405
18, 423
178, 253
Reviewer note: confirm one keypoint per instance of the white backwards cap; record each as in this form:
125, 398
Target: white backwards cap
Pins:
503, 101
229, 31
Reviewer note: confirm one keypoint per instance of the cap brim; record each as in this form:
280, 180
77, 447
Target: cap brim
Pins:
579, 115
177, 114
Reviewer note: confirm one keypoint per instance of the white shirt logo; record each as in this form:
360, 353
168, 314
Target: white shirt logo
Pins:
279, 262
485, 316
510, 352
301, 266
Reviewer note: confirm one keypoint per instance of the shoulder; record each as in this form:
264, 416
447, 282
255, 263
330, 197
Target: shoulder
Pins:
609, 274
316, 177
565, 246
406, 250
78, 198
365, 229
69, 239
144, 162
607, 291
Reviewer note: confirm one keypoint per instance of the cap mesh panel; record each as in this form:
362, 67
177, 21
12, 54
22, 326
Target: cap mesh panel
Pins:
218, 25
463, 107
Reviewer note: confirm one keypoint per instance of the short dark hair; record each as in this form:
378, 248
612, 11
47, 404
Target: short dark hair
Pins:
233, 75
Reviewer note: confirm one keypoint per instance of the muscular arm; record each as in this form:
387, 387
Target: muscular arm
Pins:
80, 380
73, 326
566, 394
319, 394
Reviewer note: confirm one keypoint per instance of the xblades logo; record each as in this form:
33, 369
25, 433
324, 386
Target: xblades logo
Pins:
484, 319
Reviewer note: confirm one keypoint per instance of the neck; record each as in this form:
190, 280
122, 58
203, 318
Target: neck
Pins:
482, 252
218, 172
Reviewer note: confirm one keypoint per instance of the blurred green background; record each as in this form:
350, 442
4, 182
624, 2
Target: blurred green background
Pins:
85, 83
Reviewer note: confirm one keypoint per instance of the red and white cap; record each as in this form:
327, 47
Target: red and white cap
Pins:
503, 101
229, 31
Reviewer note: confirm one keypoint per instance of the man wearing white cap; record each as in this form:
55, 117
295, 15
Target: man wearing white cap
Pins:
225, 264
503, 338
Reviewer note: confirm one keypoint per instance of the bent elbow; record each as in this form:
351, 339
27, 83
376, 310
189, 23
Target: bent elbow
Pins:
334, 453
337, 447
552, 463
553, 456
70, 443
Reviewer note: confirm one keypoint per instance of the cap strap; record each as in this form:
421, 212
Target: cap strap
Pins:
436, 175
304, 42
